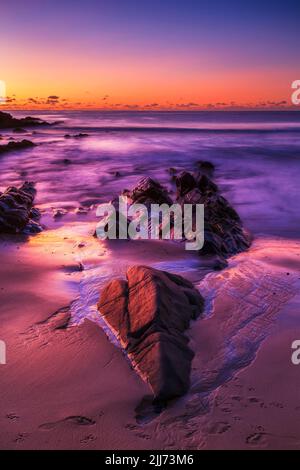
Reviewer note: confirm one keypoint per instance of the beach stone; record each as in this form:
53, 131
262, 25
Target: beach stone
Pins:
185, 182
11, 146
149, 313
16, 206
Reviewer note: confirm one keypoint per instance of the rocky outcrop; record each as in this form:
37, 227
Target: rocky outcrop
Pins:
149, 191
8, 121
224, 235
11, 146
149, 313
17, 214
76, 136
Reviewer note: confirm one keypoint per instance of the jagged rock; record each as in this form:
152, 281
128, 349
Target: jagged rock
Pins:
58, 212
206, 167
149, 191
205, 184
23, 144
7, 121
224, 235
149, 314
16, 210
185, 182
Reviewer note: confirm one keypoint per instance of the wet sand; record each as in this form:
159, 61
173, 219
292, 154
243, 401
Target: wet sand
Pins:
72, 388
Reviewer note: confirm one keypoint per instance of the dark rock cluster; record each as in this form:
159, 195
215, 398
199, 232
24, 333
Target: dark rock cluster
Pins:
224, 235
17, 214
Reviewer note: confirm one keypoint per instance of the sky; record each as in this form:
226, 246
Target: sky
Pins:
148, 54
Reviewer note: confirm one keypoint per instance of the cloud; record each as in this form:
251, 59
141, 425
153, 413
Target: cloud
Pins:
151, 105
52, 99
9, 99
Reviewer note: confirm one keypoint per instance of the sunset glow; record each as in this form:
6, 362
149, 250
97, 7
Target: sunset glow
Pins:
131, 55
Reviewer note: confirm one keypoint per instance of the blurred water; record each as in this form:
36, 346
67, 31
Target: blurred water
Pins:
257, 155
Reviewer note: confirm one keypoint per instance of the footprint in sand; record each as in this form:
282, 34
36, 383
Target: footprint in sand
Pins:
254, 400
87, 439
77, 420
256, 439
12, 416
20, 438
219, 428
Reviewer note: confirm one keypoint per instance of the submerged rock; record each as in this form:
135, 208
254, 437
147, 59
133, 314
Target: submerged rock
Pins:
19, 130
149, 313
23, 144
16, 210
206, 167
8, 121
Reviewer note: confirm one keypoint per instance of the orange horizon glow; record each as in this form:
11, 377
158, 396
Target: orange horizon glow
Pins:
125, 55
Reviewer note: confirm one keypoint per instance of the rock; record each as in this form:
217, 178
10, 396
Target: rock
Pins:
206, 167
7, 121
149, 191
80, 135
149, 313
81, 211
19, 130
224, 235
58, 212
16, 210
205, 184
76, 136
23, 144
185, 182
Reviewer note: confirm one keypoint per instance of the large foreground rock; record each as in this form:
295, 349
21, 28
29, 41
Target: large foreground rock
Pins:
17, 213
149, 313
8, 121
